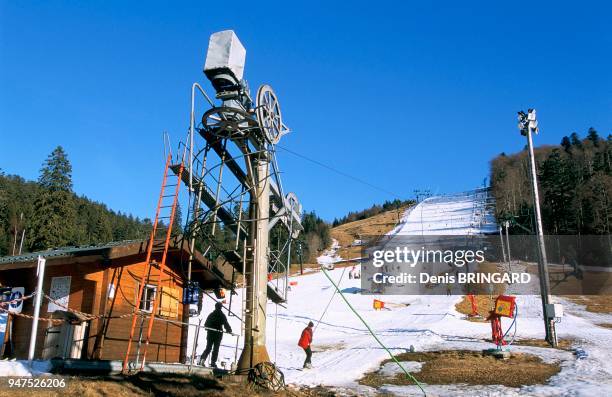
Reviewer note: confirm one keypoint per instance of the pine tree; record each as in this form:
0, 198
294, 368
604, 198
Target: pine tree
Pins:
566, 143
575, 139
54, 218
177, 225
558, 193
56, 173
593, 136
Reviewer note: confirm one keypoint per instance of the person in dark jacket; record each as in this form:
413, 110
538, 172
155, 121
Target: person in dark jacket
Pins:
215, 322
304, 343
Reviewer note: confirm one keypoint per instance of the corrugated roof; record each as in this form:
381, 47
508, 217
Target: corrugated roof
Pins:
63, 251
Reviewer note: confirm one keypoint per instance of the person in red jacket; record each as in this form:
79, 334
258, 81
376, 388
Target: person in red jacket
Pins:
304, 343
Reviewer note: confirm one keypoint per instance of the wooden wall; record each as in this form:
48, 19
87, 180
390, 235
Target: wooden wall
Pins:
107, 339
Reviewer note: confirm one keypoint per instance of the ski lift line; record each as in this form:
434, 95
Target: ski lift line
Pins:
342, 173
408, 374
330, 300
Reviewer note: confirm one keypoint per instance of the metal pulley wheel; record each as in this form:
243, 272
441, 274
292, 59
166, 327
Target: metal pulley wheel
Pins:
269, 114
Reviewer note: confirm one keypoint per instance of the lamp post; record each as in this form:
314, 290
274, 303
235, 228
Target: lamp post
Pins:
528, 124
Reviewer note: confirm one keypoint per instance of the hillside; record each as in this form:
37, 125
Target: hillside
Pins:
376, 225
575, 180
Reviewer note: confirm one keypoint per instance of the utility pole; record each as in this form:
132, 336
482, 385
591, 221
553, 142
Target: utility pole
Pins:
527, 125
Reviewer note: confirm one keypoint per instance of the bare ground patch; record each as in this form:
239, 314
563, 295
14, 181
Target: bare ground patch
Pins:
328, 347
147, 384
563, 344
469, 367
376, 225
594, 303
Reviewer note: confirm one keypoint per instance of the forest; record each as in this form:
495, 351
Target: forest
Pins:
575, 184
48, 214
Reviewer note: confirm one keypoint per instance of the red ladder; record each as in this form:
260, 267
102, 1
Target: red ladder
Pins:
162, 206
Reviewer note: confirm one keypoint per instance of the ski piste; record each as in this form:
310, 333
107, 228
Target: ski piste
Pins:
343, 350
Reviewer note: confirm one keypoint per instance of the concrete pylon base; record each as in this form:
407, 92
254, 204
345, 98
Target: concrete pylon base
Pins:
248, 361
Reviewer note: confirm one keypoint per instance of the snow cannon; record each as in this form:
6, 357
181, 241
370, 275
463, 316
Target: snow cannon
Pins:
378, 305
505, 306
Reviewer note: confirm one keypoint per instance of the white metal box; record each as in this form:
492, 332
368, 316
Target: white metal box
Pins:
554, 310
226, 51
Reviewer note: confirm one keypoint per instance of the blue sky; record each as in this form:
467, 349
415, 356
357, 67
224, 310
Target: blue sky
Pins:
403, 95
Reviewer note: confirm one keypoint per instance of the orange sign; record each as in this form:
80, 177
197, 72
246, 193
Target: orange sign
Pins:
504, 306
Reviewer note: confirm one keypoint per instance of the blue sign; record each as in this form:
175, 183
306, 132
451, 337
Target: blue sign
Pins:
191, 294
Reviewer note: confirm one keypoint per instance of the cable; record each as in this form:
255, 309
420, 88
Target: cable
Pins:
511, 324
344, 174
408, 374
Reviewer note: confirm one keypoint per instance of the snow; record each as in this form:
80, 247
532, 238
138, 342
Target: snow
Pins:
21, 368
343, 349
458, 214
392, 369
330, 256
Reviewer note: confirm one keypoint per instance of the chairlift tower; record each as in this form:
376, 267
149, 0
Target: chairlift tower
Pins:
422, 194
234, 182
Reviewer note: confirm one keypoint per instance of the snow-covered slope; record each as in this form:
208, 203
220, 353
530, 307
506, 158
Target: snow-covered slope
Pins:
470, 212
344, 350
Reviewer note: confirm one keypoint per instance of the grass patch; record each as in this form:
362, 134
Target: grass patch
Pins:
469, 367
606, 325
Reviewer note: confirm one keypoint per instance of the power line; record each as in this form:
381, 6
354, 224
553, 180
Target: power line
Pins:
342, 173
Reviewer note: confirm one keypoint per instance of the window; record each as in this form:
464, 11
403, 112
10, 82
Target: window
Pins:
169, 302
148, 298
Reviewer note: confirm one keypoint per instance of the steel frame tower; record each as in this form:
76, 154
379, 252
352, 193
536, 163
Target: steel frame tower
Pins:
234, 184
